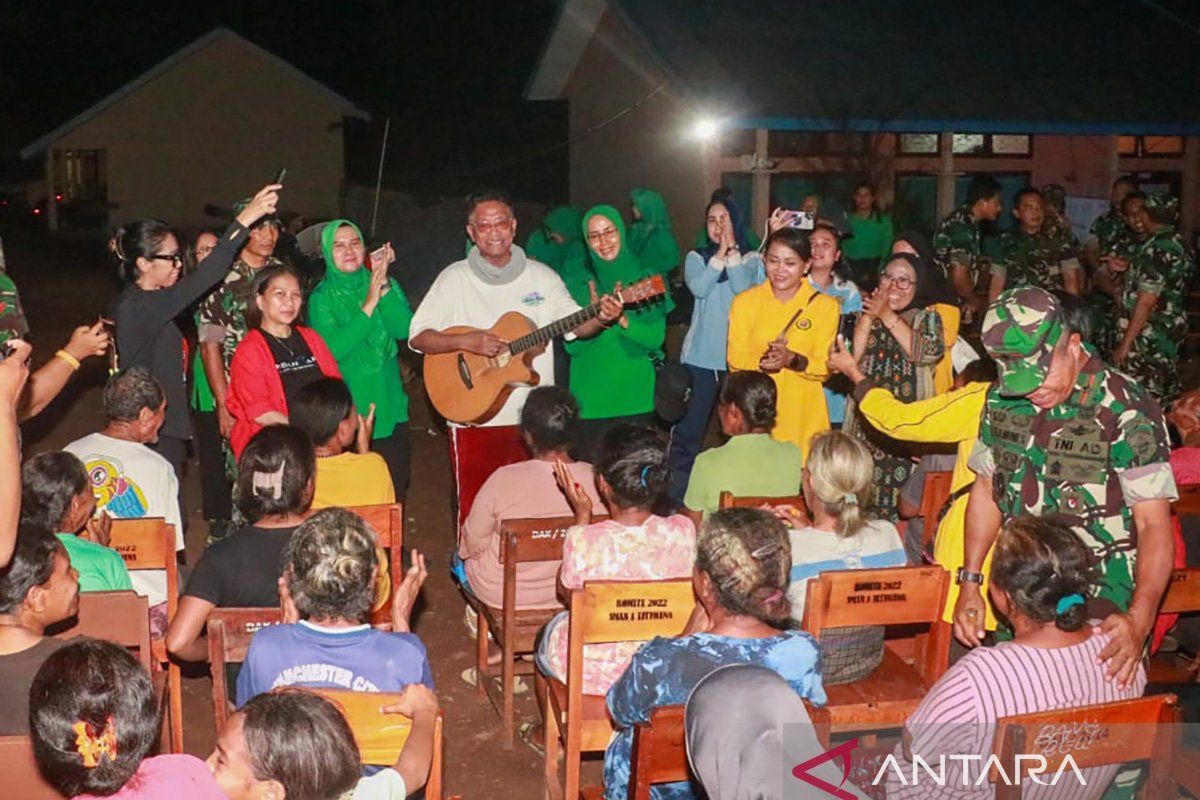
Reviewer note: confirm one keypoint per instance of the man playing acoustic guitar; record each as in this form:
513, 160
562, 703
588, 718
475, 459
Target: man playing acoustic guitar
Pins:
496, 277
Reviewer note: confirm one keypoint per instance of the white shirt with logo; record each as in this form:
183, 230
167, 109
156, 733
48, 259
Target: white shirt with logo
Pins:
457, 297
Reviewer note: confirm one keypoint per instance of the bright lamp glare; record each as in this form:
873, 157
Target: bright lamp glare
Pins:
705, 129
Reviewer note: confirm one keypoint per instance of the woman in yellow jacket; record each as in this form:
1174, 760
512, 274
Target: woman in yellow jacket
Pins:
785, 327
950, 418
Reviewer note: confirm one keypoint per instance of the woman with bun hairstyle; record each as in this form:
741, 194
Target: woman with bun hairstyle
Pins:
633, 544
326, 593
1040, 583
751, 462
151, 261
741, 617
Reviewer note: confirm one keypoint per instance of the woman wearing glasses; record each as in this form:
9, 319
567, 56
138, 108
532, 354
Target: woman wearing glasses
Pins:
898, 342
612, 374
150, 263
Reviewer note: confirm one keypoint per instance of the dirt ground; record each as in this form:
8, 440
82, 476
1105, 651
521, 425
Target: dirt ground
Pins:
64, 283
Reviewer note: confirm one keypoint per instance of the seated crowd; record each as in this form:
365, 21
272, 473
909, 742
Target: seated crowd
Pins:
836, 406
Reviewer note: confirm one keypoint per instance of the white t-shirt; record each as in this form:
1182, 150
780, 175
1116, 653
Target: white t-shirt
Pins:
386, 784
457, 297
131, 480
875, 546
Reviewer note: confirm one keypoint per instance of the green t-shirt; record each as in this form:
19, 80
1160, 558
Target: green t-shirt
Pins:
872, 237
752, 464
100, 568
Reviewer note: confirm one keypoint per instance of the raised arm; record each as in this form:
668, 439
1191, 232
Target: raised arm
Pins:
14, 371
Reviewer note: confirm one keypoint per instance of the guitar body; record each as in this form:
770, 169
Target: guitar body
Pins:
465, 387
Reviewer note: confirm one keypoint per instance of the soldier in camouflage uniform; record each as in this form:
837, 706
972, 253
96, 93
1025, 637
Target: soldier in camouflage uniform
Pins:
1154, 323
1036, 253
1108, 280
957, 245
1064, 435
1108, 226
13, 324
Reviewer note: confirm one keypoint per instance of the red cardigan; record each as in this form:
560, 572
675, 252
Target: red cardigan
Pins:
255, 386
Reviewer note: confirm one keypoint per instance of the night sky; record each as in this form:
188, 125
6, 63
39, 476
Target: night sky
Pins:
449, 73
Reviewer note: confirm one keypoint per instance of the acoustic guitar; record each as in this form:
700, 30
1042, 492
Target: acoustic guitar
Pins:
470, 388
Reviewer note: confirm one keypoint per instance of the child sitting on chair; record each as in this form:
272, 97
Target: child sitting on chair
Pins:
326, 594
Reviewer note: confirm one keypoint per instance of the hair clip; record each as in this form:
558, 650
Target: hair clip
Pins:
645, 471
1068, 602
92, 745
850, 499
268, 483
774, 597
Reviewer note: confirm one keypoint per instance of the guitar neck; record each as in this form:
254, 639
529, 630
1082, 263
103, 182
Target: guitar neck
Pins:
553, 330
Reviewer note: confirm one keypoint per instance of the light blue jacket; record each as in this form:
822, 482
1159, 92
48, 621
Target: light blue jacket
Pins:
707, 338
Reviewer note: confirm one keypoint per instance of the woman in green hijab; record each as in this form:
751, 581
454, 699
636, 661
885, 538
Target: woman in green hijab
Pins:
558, 239
360, 313
650, 236
612, 375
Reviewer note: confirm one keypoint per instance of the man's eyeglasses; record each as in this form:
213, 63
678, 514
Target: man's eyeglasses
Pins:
901, 282
487, 226
608, 234
174, 258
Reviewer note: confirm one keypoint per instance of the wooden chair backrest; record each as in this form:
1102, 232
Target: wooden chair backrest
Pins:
229, 633
381, 737
659, 751
629, 611
933, 497
528, 539
149, 543
21, 773
893, 596
1188, 504
387, 520
728, 500
1094, 736
1183, 592
122, 617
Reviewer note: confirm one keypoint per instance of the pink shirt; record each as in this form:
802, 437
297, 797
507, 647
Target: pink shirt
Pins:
660, 549
525, 489
178, 777
1185, 464
958, 715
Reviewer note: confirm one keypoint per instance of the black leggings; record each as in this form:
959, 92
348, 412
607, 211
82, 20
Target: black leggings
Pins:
397, 452
215, 489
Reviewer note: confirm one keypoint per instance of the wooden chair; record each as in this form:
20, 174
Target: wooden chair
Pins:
229, 633
933, 497
601, 612
523, 541
659, 752
122, 617
381, 737
728, 500
149, 543
21, 773
1182, 597
387, 520
899, 596
1097, 736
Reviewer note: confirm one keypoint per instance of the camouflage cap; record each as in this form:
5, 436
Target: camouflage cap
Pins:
1020, 331
1163, 205
269, 219
1055, 195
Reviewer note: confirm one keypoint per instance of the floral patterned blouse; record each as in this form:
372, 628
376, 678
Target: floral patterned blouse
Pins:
662, 548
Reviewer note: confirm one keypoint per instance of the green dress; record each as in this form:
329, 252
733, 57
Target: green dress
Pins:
565, 221
612, 374
651, 240
364, 346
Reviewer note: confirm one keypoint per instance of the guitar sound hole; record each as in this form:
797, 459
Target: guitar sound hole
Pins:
464, 372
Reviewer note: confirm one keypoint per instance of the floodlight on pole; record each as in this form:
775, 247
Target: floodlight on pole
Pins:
706, 128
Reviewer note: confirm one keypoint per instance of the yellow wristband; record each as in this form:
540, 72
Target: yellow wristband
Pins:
67, 357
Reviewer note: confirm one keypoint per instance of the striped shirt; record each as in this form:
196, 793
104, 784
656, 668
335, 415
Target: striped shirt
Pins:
958, 716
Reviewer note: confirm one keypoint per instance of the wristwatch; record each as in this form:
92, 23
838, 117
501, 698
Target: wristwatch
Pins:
966, 576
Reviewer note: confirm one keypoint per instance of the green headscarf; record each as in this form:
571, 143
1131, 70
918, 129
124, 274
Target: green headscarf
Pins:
564, 221
651, 237
626, 267
350, 288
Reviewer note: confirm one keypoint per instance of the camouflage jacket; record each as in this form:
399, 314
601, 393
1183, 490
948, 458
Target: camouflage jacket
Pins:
957, 242
1107, 229
1086, 461
1161, 266
223, 312
1035, 260
13, 324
